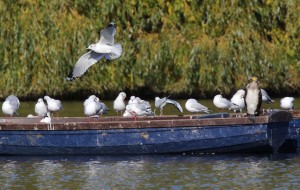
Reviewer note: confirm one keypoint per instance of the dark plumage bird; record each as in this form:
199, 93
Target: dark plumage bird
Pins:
253, 97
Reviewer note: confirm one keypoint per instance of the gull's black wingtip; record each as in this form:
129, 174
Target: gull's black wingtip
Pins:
70, 77
112, 24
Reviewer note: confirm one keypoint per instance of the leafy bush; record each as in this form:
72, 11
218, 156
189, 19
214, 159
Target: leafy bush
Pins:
170, 47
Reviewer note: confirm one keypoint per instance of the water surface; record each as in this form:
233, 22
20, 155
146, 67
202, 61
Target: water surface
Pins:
151, 172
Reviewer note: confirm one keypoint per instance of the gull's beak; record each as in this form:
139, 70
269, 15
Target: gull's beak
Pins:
253, 79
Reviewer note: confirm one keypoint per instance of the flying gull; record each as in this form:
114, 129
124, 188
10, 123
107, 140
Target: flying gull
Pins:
104, 48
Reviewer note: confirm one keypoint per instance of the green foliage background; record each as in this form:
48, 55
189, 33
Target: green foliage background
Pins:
179, 47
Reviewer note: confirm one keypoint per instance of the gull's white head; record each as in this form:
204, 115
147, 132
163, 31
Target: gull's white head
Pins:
40, 100
241, 92
218, 97
123, 95
91, 47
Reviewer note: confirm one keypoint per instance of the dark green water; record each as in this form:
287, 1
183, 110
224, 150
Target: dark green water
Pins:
151, 172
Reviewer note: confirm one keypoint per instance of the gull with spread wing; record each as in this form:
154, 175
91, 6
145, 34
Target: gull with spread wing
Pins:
104, 48
162, 102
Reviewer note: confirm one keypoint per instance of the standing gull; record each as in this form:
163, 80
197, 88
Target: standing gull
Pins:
133, 100
162, 102
104, 48
47, 120
265, 98
11, 105
53, 105
237, 100
287, 103
90, 98
119, 103
138, 108
194, 106
92, 107
221, 103
41, 108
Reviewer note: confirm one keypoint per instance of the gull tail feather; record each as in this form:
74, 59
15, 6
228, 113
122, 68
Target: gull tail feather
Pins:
269, 101
206, 111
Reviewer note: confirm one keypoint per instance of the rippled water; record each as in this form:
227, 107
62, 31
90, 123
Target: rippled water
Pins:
151, 172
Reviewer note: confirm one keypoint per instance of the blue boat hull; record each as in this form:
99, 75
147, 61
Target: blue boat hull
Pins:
142, 141
293, 139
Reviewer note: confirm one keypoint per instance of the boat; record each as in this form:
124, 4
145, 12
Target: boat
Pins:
292, 143
210, 133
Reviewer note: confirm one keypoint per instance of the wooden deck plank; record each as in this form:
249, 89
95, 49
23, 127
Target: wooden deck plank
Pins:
104, 123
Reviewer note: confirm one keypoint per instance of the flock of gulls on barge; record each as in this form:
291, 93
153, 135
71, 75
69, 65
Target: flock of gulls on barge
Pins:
93, 107
249, 98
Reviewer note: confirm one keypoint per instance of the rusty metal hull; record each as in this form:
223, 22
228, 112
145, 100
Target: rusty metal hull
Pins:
152, 135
